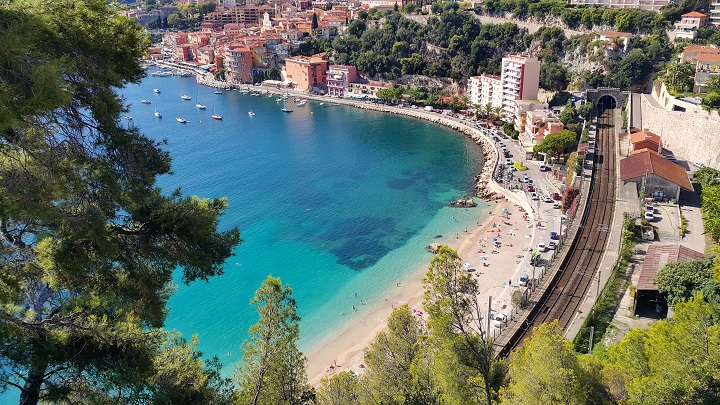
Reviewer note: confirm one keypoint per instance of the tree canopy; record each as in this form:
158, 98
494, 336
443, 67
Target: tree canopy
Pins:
558, 143
88, 242
680, 281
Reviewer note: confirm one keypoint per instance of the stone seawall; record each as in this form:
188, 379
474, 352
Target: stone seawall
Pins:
693, 135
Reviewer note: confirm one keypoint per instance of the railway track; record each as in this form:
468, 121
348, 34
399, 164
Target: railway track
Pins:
575, 275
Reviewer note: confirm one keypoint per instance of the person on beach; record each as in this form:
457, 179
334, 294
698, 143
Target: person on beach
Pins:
354, 308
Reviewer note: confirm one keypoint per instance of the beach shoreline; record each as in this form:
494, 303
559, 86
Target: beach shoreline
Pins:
344, 349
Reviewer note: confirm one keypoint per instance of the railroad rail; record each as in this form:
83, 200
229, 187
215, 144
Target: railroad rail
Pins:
576, 272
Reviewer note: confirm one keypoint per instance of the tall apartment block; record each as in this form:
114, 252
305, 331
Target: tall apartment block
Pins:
520, 80
714, 18
485, 89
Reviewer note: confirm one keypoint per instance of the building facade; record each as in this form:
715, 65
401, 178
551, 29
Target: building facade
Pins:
485, 90
339, 78
306, 72
238, 63
688, 25
539, 124
714, 17
520, 80
654, 5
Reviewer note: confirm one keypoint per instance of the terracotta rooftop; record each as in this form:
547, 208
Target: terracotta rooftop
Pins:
658, 256
708, 57
642, 163
701, 48
644, 136
616, 34
635, 152
694, 14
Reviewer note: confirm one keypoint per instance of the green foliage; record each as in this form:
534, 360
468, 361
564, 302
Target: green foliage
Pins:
390, 357
546, 370
679, 77
569, 115
273, 369
557, 144
674, 361
711, 100
89, 244
633, 69
553, 76
710, 209
586, 111
509, 130
707, 176
340, 389
680, 281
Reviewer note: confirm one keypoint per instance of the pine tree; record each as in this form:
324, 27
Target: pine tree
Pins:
273, 369
314, 22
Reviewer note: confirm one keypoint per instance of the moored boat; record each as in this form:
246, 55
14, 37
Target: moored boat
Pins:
200, 106
157, 114
251, 113
217, 117
185, 97
181, 120
156, 90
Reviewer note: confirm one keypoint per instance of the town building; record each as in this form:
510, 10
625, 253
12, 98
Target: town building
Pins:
384, 4
714, 10
645, 140
708, 66
688, 25
520, 80
521, 108
654, 5
648, 300
617, 41
485, 90
305, 72
366, 89
538, 125
339, 78
690, 53
654, 175
238, 63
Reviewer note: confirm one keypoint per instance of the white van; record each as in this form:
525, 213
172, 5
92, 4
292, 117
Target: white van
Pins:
428, 108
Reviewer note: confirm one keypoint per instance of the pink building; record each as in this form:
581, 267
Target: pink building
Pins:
688, 25
539, 124
339, 78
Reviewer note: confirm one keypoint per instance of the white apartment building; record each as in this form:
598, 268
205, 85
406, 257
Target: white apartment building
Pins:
485, 89
714, 17
654, 5
520, 80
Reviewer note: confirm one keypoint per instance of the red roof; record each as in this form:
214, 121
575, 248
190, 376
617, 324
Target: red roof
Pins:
644, 136
657, 257
701, 48
635, 152
643, 163
708, 57
694, 14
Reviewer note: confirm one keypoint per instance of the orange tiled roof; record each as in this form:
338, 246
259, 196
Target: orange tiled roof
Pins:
643, 163
694, 14
644, 136
708, 57
701, 48
635, 152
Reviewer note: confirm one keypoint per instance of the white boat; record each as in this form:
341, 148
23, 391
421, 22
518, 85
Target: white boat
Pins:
181, 120
145, 101
322, 103
200, 106
218, 92
185, 97
162, 73
216, 117
156, 90
251, 113
127, 117
157, 114
285, 109
301, 103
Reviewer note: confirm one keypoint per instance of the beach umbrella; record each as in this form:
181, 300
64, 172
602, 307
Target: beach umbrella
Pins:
467, 266
494, 239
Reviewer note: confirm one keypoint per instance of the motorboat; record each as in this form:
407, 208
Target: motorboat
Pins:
302, 103
185, 97
216, 117
156, 90
157, 114
127, 117
218, 92
181, 120
251, 113
145, 101
200, 106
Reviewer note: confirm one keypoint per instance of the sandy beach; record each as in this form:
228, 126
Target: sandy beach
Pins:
494, 264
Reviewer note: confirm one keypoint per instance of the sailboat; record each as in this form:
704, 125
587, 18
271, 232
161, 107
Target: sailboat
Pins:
250, 111
215, 115
198, 105
181, 120
157, 114
285, 109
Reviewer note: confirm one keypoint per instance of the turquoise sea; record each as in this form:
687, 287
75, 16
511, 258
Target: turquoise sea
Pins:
334, 200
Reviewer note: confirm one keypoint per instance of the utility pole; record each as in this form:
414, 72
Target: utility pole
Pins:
597, 291
489, 316
590, 345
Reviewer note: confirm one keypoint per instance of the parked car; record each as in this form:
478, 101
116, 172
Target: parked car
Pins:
524, 280
649, 208
534, 196
649, 216
544, 168
541, 247
547, 199
526, 179
508, 162
552, 245
556, 196
554, 235
499, 320
531, 188
556, 205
